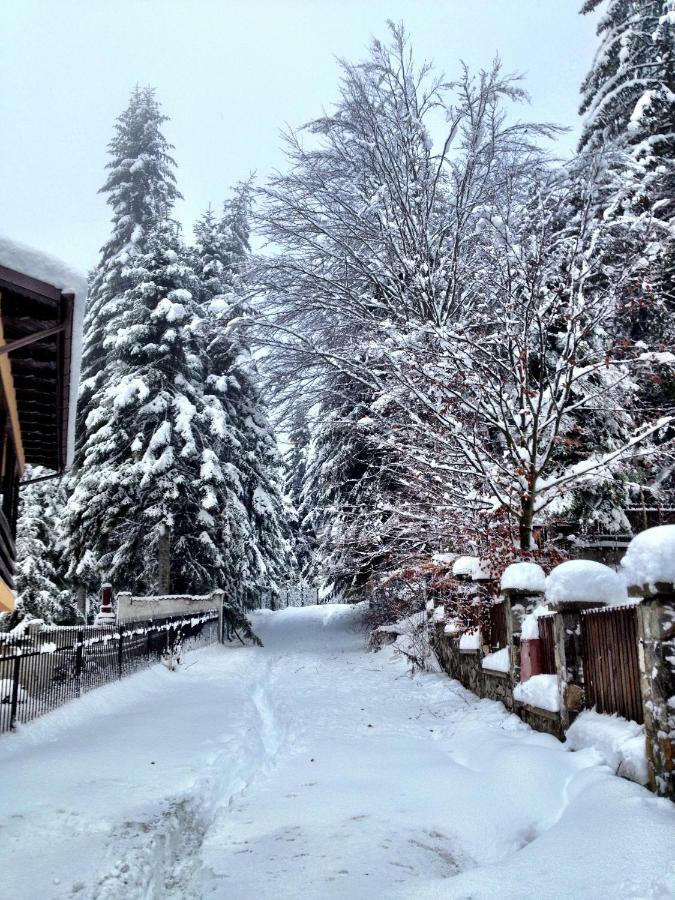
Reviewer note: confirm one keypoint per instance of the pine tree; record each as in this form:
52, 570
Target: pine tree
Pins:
628, 99
40, 589
257, 518
147, 461
296, 463
140, 188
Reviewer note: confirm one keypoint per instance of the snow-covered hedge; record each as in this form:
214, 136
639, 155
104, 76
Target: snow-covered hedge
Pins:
585, 581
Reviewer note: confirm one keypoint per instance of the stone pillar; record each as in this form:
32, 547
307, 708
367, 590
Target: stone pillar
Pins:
82, 601
518, 605
164, 559
106, 614
656, 623
218, 602
568, 658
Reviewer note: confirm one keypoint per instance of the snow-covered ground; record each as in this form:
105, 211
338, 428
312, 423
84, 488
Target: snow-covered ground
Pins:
314, 769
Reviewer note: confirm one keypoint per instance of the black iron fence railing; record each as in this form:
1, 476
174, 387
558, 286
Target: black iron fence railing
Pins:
41, 670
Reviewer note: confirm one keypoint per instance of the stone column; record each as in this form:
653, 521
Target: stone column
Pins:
656, 623
568, 658
518, 605
218, 597
164, 559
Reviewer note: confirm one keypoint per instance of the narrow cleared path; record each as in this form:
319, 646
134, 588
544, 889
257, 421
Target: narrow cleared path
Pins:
312, 768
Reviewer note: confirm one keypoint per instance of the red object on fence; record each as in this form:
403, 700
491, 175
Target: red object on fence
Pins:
530, 658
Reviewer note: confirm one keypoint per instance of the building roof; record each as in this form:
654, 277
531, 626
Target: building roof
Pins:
39, 292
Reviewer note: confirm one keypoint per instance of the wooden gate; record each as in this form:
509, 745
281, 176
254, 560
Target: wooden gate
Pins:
609, 639
498, 635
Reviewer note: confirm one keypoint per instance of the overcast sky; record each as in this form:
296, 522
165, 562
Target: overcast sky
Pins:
229, 73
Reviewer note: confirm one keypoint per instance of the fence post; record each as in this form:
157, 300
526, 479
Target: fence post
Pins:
15, 692
518, 605
219, 603
656, 629
79, 651
120, 651
569, 659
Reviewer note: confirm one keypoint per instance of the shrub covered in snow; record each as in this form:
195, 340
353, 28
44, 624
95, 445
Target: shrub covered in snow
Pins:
540, 691
523, 576
650, 557
584, 581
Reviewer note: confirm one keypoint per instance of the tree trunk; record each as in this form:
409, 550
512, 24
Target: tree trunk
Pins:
525, 523
164, 560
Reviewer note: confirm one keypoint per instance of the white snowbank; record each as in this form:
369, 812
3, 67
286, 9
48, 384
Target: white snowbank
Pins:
621, 743
523, 576
529, 630
499, 661
465, 565
44, 267
470, 640
585, 581
650, 557
540, 691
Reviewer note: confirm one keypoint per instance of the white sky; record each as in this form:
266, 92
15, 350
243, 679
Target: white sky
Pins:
229, 73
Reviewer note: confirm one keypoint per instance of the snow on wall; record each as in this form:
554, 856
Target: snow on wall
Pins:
529, 630
523, 576
36, 264
465, 565
585, 581
499, 661
540, 691
470, 640
621, 743
650, 557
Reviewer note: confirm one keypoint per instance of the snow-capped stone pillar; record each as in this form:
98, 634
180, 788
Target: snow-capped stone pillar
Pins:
522, 585
649, 566
572, 587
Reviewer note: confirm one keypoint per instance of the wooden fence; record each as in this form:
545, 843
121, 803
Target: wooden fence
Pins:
609, 641
547, 645
498, 633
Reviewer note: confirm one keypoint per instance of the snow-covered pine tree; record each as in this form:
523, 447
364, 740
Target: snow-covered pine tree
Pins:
257, 520
140, 188
147, 461
40, 590
629, 102
296, 461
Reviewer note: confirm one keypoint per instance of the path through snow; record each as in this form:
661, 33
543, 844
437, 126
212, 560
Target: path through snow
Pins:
312, 768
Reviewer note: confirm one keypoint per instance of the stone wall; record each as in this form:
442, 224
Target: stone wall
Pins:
135, 609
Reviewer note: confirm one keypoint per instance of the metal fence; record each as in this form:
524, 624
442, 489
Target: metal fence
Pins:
609, 640
41, 670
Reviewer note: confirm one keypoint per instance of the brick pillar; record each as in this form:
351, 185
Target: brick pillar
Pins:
656, 623
518, 605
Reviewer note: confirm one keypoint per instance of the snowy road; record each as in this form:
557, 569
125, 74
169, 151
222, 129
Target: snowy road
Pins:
314, 769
